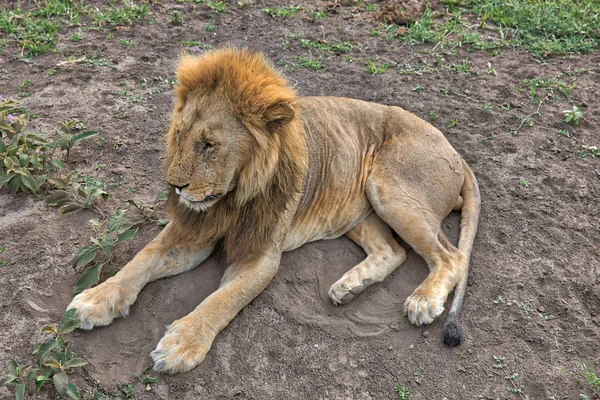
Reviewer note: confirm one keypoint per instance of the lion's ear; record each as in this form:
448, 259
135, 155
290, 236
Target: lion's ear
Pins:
278, 115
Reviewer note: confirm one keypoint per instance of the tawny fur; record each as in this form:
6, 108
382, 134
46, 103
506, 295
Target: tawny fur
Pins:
257, 170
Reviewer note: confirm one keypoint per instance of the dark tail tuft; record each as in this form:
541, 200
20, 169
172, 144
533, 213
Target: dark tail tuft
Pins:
451, 335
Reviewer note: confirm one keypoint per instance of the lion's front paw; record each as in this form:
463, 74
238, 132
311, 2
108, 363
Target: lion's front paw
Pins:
183, 347
423, 306
100, 305
344, 290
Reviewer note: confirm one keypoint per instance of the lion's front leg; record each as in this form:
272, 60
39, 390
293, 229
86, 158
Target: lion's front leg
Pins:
189, 339
168, 254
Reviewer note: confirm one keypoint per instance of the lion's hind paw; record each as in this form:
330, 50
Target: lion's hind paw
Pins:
422, 309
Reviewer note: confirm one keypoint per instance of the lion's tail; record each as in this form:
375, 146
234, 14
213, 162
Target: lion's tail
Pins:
452, 334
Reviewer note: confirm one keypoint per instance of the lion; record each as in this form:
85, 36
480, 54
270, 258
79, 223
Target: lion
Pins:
256, 170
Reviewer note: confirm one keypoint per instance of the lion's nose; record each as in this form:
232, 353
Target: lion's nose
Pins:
179, 188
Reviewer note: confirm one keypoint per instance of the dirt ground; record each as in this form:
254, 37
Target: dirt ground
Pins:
534, 285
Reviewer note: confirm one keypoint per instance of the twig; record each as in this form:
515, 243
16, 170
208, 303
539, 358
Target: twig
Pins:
518, 390
445, 35
537, 111
67, 62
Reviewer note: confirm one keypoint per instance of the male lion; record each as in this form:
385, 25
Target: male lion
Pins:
257, 170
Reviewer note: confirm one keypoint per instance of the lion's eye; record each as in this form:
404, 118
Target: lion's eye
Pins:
177, 135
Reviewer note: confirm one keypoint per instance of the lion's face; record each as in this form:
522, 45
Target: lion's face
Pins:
211, 147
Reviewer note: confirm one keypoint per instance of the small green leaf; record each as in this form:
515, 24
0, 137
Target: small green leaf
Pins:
31, 374
61, 382
16, 184
69, 315
12, 367
130, 224
11, 150
6, 178
55, 198
81, 136
57, 163
73, 392
35, 161
75, 362
27, 179
20, 391
163, 196
52, 364
67, 208
44, 349
107, 243
127, 235
84, 256
90, 277
49, 329
9, 163
40, 180
8, 380
2, 146
163, 222
70, 326
40, 380
115, 220
24, 159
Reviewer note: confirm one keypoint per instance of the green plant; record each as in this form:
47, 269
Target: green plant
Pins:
401, 391
452, 123
592, 151
320, 14
210, 27
288, 11
374, 68
433, 116
127, 14
524, 183
26, 159
591, 377
100, 252
418, 88
336, 48
127, 42
563, 132
126, 389
573, 116
176, 18
190, 43
2, 262
552, 87
54, 358
67, 136
217, 6
76, 37
71, 196
307, 62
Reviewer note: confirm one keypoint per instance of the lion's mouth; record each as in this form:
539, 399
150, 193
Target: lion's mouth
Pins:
207, 199
201, 205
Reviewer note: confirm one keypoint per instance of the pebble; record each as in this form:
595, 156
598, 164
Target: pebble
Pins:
426, 333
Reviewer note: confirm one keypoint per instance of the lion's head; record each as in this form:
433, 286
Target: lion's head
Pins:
225, 135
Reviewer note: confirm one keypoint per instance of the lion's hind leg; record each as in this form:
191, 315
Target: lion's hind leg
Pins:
417, 220
384, 255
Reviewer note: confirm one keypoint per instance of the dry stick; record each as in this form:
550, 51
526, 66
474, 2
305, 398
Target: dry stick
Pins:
67, 62
537, 111
515, 386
